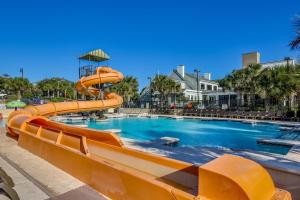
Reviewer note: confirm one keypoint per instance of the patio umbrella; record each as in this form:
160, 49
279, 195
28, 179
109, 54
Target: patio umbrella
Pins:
13, 104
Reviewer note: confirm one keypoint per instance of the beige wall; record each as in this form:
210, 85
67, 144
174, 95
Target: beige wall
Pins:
250, 58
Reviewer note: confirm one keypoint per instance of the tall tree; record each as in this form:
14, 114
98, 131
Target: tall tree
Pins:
226, 83
127, 88
165, 87
279, 83
287, 82
295, 43
236, 81
18, 86
252, 73
267, 87
58, 86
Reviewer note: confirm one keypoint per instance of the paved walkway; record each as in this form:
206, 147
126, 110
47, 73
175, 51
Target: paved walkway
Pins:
81, 193
283, 123
36, 179
23, 186
294, 153
279, 142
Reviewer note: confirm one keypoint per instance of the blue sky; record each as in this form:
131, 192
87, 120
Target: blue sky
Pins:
142, 37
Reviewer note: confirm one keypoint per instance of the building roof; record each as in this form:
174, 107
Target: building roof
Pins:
190, 79
96, 55
277, 61
252, 52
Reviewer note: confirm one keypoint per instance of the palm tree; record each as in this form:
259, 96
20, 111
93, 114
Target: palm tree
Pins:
297, 78
47, 87
70, 90
226, 83
272, 86
132, 94
56, 85
127, 88
295, 43
165, 86
266, 87
237, 79
252, 73
280, 83
243, 81
2, 83
18, 86
288, 82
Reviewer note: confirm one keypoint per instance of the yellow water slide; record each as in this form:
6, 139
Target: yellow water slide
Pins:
99, 158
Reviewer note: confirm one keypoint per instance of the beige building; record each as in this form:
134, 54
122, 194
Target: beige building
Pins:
250, 58
254, 58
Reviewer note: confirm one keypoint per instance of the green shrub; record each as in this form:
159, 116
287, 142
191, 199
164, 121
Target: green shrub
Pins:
56, 99
298, 113
11, 97
290, 113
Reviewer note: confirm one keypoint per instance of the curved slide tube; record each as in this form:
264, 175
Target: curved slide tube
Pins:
100, 159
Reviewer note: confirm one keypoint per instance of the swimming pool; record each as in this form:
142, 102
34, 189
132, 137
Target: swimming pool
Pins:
197, 133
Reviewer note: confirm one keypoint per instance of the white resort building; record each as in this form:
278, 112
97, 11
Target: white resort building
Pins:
206, 92
188, 82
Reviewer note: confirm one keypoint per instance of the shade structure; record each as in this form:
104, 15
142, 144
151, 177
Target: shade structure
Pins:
13, 104
96, 55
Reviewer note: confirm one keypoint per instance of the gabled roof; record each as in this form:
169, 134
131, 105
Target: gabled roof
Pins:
189, 79
96, 55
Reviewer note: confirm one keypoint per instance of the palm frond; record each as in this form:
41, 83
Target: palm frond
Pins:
295, 43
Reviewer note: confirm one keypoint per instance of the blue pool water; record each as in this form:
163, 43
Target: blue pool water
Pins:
194, 132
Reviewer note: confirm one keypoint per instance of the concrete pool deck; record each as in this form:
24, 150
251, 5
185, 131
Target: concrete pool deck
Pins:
283, 123
36, 179
282, 142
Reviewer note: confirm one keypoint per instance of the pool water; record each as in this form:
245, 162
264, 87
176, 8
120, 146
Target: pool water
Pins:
194, 132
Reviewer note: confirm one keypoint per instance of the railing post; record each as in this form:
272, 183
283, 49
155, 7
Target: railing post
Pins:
38, 133
83, 146
58, 140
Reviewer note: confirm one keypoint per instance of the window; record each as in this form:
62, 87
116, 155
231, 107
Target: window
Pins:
209, 87
215, 88
202, 86
182, 85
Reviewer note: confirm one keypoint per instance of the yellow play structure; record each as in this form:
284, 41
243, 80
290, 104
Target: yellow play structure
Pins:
100, 159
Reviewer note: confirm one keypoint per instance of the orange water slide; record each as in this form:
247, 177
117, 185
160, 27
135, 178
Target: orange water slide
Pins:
100, 159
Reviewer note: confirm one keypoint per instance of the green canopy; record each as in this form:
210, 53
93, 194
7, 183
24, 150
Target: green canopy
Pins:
96, 55
13, 104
